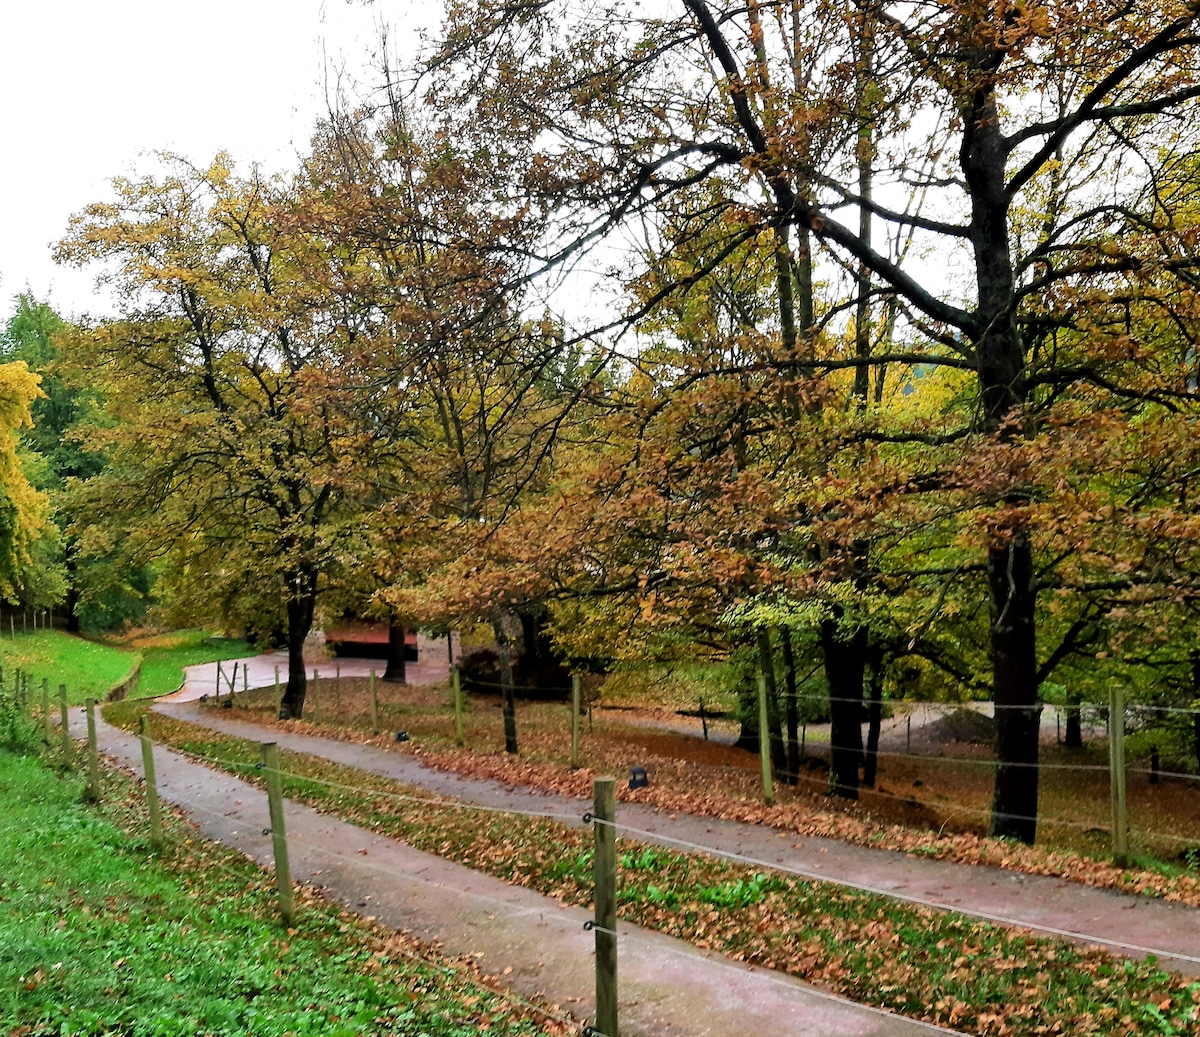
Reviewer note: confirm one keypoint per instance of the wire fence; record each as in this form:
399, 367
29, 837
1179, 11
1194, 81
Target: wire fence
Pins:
938, 781
641, 835
914, 750
647, 836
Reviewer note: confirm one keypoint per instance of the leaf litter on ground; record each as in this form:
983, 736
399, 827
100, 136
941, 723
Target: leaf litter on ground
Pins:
935, 966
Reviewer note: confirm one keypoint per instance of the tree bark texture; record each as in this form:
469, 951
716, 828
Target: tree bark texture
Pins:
845, 655
1073, 734
874, 718
793, 710
1018, 714
300, 608
507, 694
766, 662
1000, 359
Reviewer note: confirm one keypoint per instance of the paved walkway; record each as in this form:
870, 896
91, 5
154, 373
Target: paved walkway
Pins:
1124, 923
537, 945
668, 987
259, 671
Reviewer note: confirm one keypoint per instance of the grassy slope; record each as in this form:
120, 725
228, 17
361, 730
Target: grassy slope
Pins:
90, 668
97, 937
165, 655
85, 667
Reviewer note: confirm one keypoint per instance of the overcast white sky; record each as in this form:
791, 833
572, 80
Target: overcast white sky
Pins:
88, 85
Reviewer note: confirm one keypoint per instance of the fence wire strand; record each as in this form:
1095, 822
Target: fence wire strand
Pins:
792, 869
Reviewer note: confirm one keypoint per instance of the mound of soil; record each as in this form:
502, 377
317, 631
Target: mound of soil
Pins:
963, 725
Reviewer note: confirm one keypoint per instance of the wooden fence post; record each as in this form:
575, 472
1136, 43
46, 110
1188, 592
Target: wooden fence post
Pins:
156, 829
1116, 766
46, 733
316, 702
604, 812
93, 785
337, 692
245, 679
283, 870
65, 730
456, 683
374, 706
764, 743
278, 693
575, 696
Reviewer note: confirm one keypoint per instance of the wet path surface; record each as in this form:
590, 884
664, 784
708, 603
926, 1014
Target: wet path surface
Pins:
1125, 923
536, 944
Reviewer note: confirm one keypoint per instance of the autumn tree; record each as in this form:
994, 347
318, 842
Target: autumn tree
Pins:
457, 388
56, 455
229, 446
1035, 137
24, 511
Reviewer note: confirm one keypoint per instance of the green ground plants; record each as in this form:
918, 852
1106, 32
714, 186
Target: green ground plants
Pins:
87, 668
164, 657
97, 937
90, 668
926, 964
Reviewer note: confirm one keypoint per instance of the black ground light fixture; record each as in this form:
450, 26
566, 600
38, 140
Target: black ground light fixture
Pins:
638, 779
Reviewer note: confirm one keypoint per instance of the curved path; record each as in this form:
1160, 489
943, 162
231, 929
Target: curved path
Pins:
667, 986
533, 944
1127, 924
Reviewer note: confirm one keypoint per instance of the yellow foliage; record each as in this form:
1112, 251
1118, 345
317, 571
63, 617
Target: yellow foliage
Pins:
23, 509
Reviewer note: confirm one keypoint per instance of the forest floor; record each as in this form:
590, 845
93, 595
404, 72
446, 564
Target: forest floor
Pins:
931, 798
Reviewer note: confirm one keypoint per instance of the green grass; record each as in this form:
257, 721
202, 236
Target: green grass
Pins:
92, 668
165, 656
97, 937
85, 667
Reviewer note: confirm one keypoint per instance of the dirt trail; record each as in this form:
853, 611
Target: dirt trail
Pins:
537, 944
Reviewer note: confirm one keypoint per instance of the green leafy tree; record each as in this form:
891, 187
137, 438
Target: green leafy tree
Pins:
57, 455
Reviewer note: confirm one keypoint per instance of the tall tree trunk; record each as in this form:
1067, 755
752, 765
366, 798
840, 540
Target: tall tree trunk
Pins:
1018, 715
72, 602
1073, 735
748, 714
793, 711
889, 329
844, 661
396, 663
301, 605
874, 716
1000, 360
529, 638
508, 698
766, 662
864, 157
